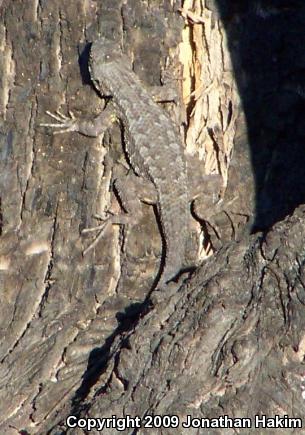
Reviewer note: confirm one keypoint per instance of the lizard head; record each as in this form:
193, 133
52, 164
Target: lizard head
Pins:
104, 51
105, 56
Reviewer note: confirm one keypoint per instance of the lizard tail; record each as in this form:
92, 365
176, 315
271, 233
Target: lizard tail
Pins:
174, 229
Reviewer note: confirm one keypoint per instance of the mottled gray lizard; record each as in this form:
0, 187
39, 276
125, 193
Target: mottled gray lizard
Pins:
153, 148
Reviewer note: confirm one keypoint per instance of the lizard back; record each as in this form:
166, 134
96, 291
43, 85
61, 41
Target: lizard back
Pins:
153, 146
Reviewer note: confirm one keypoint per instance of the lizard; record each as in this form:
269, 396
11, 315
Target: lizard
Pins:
153, 149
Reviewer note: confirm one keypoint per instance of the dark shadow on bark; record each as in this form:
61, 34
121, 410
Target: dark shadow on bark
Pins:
99, 357
83, 61
266, 41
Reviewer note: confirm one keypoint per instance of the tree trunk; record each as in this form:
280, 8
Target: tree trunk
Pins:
81, 334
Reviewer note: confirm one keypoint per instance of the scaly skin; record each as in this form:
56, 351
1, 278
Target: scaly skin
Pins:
153, 145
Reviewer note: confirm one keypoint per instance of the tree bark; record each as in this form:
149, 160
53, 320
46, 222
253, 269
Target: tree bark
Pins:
79, 334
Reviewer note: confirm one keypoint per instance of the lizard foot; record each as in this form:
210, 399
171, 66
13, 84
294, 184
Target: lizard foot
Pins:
65, 123
111, 220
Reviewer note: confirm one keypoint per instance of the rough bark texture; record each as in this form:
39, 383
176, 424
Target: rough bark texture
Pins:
230, 342
77, 335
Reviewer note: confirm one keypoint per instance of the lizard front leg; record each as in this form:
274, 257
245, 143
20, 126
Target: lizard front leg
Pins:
91, 128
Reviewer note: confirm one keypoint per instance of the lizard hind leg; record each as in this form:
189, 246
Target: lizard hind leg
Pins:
130, 190
120, 219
